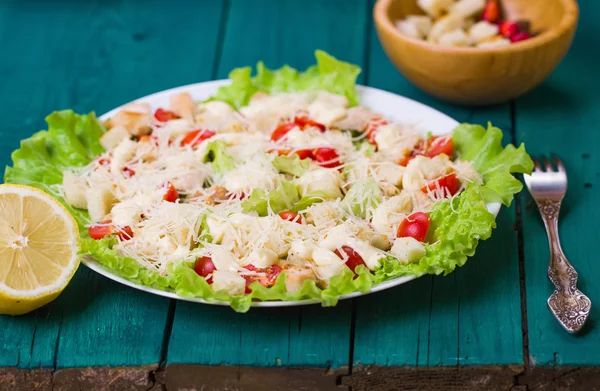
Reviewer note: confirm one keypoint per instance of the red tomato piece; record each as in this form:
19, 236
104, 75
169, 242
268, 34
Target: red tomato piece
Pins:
372, 128
204, 267
125, 233
491, 12
163, 115
415, 226
353, 259
326, 157
437, 145
101, 230
128, 172
104, 161
304, 122
282, 130
272, 272
449, 183
195, 137
508, 29
405, 160
288, 215
171, 194
105, 228
521, 36
302, 153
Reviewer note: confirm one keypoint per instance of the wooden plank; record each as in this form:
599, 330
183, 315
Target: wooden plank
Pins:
469, 317
277, 33
95, 56
561, 117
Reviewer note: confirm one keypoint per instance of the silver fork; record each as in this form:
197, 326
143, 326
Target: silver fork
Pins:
548, 186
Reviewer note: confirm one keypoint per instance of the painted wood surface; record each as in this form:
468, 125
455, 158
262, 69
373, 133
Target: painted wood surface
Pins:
309, 336
97, 55
562, 117
452, 320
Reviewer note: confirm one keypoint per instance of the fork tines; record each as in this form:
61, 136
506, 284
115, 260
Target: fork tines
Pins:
547, 166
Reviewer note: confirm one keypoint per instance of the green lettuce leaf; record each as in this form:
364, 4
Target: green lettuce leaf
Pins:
363, 195
291, 165
457, 225
310, 199
71, 140
283, 197
328, 74
483, 148
216, 153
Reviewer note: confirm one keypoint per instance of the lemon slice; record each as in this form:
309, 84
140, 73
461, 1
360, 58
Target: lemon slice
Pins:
38, 248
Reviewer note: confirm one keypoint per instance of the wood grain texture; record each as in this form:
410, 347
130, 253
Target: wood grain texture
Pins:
94, 56
469, 317
481, 76
307, 336
561, 117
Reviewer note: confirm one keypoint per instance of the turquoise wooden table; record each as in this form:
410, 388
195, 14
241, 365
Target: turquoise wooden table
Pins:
484, 327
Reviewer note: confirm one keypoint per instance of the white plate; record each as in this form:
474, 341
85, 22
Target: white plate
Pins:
393, 106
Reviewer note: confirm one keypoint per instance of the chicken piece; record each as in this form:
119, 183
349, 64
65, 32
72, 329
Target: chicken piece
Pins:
357, 118
408, 250
183, 105
231, 282
295, 276
75, 188
135, 117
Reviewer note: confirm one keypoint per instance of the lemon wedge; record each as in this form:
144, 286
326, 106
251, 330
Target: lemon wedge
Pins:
39, 245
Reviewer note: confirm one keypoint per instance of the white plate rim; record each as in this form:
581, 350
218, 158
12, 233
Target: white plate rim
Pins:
363, 92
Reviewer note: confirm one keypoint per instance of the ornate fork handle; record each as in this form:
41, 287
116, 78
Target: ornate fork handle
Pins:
568, 304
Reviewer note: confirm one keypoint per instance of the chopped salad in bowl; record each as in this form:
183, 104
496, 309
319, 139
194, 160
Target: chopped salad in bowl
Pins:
281, 186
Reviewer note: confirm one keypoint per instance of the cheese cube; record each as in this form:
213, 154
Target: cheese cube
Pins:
231, 282
455, 37
467, 8
408, 250
483, 30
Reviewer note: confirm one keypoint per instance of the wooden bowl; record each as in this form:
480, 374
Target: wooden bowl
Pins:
481, 76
